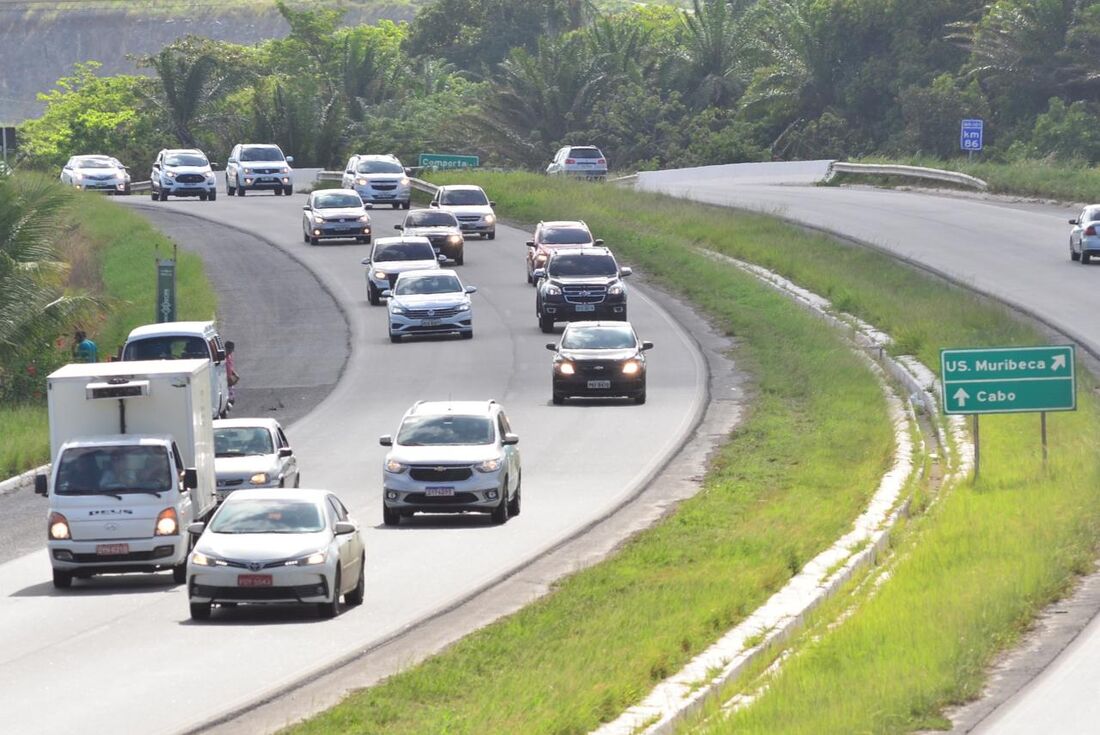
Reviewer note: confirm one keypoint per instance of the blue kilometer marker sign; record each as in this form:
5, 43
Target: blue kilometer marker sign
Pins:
1008, 379
970, 135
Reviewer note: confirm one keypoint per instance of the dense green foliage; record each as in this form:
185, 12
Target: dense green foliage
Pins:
654, 85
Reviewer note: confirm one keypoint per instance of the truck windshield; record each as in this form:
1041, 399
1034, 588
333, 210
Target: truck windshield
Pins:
167, 348
267, 515
113, 470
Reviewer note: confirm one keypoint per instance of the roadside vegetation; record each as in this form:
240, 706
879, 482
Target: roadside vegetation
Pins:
97, 257
971, 570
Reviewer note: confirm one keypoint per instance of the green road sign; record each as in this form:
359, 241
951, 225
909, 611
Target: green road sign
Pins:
166, 290
1008, 379
447, 160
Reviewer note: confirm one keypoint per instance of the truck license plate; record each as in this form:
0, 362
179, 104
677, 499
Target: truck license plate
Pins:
112, 549
439, 492
253, 580
585, 307
597, 384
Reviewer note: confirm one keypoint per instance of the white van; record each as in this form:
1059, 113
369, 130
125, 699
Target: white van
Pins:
182, 341
132, 450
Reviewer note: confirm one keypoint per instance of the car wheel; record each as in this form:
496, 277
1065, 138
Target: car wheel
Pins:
240, 191
278, 191
229, 190
492, 235
1073, 254
163, 195
355, 597
546, 324
154, 195
1085, 258
202, 196
514, 503
640, 398
62, 580
373, 296
390, 516
298, 480
530, 278
314, 241
468, 334
331, 608
179, 572
558, 399
395, 205
500, 513
459, 259
200, 610
406, 205
212, 195
395, 338
288, 190
126, 191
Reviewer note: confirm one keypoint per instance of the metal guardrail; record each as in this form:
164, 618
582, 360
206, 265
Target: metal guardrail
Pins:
141, 185
913, 172
418, 184
329, 176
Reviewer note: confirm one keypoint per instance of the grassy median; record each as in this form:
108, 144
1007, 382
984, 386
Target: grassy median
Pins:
111, 251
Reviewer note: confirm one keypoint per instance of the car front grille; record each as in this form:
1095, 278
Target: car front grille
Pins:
190, 178
230, 483
441, 313
469, 218
384, 186
266, 170
159, 552
440, 474
261, 594
456, 499
584, 294
598, 367
438, 241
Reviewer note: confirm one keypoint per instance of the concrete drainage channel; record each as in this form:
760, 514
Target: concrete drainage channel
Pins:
785, 613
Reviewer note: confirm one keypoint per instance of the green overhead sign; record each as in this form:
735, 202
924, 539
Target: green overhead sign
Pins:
447, 160
1008, 379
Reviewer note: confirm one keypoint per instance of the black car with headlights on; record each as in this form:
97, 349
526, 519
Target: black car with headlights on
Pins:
580, 283
599, 359
441, 229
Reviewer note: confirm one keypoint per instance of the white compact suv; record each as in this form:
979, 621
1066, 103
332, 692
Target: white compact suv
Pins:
96, 173
182, 172
253, 167
451, 457
470, 206
429, 302
579, 161
379, 180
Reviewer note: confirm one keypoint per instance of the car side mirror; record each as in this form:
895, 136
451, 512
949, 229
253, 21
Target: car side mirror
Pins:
365, 261
598, 241
471, 289
190, 478
386, 294
232, 160
214, 165
441, 258
157, 165
433, 204
386, 440
492, 204
408, 172
510, 439
538, 273
551, 346
285, 452
343, 528
349, 171
305, 207
41, 484
530, 243
1073, 221
647, 346
625, 271
196, 528
290, 159
399, 227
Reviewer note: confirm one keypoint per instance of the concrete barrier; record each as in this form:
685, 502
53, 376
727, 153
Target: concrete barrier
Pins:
911, 172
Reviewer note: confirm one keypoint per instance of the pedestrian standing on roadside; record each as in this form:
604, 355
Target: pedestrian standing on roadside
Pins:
84, 349
231, 371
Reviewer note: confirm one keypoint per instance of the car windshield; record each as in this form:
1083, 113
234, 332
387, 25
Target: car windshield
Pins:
464, 197
167, 348
113, 470
447, 430
403, 251
337, 201
585, 153
576, 264
185, 159
616, 337
430, 218
266, 515
380, 167
94, 163
262, 153
428, 285
242, 441
566, 236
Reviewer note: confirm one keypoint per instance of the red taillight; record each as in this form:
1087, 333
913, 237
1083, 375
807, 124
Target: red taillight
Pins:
603, 161
570, 160
1090, 230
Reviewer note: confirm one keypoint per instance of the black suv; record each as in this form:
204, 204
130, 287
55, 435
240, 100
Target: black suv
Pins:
580, 284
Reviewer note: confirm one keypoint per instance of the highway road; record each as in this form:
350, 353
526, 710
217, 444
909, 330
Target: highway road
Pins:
1015, 252
120, 654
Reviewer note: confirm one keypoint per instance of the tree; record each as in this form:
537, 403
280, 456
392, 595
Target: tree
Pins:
711, 50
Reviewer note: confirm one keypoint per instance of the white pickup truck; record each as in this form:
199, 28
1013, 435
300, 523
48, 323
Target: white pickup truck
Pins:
132, 446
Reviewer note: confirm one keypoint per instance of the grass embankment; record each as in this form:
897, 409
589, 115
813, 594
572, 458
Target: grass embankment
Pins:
974, 570
111, 252
1044, 179
788, 483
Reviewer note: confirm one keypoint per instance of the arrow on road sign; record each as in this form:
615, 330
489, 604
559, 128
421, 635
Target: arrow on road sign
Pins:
1059, 361
961, 396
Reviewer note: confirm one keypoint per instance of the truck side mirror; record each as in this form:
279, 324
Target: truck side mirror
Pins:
41, 484
190, 478
286, 452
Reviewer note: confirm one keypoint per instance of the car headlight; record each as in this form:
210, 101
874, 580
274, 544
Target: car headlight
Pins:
394, 309
462, 307
404, 181
380, 275
454, 239
615, 290
260, 478
170, 174
365, 218
248, 170
317, 557
395, 467
210, 175
205, 560
490, 219
489, 465
361, 182
58, 527
553, 290
167, 523
284, 170
631, 367
540, 260
566, 368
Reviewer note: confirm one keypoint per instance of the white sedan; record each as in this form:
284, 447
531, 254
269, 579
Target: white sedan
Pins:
277, 546
251, 453
96, 173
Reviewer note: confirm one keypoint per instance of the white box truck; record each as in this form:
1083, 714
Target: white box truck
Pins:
132, 446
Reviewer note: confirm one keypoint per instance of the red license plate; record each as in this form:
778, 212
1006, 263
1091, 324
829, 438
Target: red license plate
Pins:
112, 549
253, 580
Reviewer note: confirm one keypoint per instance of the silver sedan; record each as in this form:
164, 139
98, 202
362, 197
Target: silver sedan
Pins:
335, 213
1084, 238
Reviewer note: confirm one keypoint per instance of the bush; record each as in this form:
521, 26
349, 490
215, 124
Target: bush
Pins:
1068, 133
932, 114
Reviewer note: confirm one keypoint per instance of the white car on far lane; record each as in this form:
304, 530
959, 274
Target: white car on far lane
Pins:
277, 546
332, 214
251, 453
470, 205
1084, 238
96, 173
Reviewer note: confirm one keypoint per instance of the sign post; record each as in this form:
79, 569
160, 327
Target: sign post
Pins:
166, 289
444, 161
1008, 380
971, 136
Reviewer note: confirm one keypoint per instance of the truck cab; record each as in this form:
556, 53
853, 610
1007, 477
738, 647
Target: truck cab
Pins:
184, 341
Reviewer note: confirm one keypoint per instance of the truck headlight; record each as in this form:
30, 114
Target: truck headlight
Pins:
566, 368
489, 465
631, 367
167, 523
260, 478
248, 170
58, 527
392, 465
284, 170
553, 290
615, 290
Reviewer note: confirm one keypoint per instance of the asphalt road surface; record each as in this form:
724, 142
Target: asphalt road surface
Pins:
120, 654
1015, 252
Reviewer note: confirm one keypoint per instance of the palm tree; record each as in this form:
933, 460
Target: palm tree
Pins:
711, 56
34, 307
